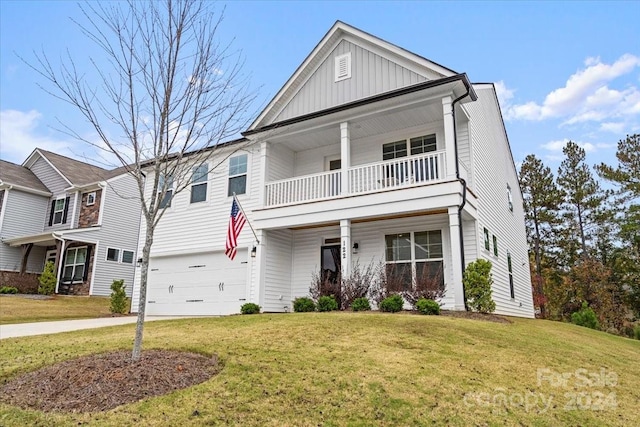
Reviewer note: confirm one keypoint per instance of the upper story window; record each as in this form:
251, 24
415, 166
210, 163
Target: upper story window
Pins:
415, 146
343, 67
509, 198
91, 198
423, 144
509, 266
237, 175
495, 245
199, 183
165, 181
59, 210
394, 150
486, 239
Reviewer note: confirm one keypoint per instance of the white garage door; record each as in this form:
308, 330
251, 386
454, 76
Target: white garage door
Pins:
202, 284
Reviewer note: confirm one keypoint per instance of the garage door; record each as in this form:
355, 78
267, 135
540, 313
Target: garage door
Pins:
203, 284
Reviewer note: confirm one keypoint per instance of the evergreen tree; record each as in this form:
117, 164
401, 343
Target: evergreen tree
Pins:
542, 200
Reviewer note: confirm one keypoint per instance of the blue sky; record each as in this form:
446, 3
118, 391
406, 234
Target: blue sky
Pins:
564, 70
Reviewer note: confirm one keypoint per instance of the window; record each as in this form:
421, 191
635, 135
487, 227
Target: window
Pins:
394, 150
509, 198
58, 214
335, 164
74, 264
199, 183
165, 182
113, 254
237, 175
486, 239
91, 198
414, 258
343, 67
495, 245
423, 144
127, 257
511, 289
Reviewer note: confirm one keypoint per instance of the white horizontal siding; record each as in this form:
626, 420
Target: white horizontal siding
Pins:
277, 276
494, 170
280, 162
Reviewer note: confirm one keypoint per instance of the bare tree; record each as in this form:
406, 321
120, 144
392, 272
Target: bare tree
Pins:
167, 85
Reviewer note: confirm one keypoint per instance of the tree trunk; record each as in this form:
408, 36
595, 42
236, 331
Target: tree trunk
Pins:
142, 302
538, 261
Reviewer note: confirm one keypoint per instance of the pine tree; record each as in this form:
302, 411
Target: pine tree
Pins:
542, 200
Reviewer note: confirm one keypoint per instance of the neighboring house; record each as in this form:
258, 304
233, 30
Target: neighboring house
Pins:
83, 218
369, 153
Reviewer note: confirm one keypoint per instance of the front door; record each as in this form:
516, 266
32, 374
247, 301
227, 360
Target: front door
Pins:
330, 274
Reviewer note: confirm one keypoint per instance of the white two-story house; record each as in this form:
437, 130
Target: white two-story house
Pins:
369, 153
81, 217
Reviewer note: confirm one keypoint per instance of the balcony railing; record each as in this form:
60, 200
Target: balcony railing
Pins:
370, 178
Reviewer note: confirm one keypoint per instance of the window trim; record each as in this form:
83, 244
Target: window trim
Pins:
487, 245
91, 196
60, 211
118, 252
495, 245
509, 198
245, 173
413, 261
203, 180
512, 290
75, 265
407, 145
133, 256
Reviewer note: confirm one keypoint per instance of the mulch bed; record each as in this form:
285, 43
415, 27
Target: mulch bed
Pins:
475, 316
104, 381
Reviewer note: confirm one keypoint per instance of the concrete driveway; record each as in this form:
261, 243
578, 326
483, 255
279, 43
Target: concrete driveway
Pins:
43, 328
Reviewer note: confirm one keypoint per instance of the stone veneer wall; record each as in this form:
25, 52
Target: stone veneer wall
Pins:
89, 215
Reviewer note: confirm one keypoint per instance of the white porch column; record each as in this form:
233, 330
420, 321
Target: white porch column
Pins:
449, 137
456, 262
256, 295
263, 174
345, 247
345, 156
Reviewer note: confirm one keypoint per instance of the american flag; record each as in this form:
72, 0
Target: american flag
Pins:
236, 222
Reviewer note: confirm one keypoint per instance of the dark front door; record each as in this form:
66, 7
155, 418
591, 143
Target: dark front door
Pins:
330, 264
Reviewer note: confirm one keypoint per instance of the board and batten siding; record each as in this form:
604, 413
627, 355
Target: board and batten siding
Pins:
494, 171
277, 275
371, 74
187, 228
22, 217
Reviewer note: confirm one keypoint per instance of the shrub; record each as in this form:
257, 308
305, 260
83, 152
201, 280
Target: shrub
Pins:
327, 303
250, 308
360, 304
389, 283
426, 286
303, 304
47, 280
585, 317
636, 332
325, 283
358, 284
8, 290
427, 306
392, 304
477, 282
118, 298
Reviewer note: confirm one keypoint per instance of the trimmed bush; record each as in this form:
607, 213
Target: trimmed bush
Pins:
585, 317
636, 332
118, 298
8, 290
250, 308
392, 304
327, 303
303, 305
47, 280
427, 306
477, 282
361, 304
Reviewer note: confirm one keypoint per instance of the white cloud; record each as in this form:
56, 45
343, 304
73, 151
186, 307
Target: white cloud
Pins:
557, 146
504, 94
586, 95
19, 136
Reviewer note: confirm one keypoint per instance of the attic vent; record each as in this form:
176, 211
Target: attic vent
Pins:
343, 67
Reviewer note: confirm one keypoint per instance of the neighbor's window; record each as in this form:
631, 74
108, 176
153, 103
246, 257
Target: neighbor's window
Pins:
58, 211
413, 258
199, 183
486, 239
127, 257
113, 254
237, 175
165, 183
74, 264
91, 198
511, 289
495, 245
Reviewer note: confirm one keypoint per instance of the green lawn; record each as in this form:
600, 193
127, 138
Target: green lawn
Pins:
19, 309
363, 369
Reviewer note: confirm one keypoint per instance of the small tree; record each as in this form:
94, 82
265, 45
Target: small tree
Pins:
477, 282
358, 284
585, 317
47, 280
118, 298
427, 285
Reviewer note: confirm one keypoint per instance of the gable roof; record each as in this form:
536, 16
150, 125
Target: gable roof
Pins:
12, 174
338, 32
73, 171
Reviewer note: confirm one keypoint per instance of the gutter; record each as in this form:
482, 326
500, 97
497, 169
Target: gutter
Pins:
464, 186
60, 258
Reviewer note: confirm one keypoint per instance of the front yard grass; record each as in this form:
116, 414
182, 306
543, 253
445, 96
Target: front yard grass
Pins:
358, 369
24, 309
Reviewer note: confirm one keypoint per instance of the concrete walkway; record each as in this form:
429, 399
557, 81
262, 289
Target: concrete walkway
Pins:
43, 328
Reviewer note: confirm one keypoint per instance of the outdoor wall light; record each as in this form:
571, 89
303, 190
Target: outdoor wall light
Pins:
356, 246
254, 251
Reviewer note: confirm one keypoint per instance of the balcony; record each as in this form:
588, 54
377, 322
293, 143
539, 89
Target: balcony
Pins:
369, 178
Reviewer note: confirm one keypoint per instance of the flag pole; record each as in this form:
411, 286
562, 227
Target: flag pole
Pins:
245, 215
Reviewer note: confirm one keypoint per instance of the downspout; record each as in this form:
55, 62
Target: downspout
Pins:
464, 189
60, 255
